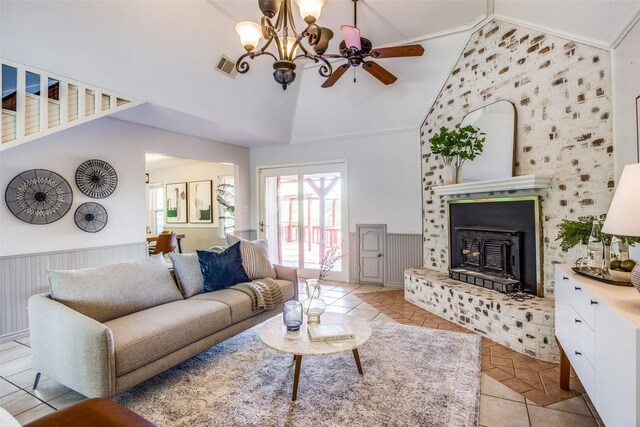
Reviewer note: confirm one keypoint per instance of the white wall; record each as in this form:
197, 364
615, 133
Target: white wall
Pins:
369, 106
163, 52
626, 84
123, 145
383, 176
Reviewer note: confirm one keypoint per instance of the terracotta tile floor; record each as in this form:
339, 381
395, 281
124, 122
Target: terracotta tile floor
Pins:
533, 379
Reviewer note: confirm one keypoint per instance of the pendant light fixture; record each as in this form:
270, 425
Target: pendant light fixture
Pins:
277, 27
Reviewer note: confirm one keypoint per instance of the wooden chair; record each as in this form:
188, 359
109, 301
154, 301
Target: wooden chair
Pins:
167, 242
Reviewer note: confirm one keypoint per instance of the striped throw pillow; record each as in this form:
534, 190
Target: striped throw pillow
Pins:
255, 257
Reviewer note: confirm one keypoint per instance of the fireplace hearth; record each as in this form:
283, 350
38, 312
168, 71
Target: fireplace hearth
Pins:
494, 243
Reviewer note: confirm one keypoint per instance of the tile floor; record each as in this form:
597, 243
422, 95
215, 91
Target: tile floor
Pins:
516, 390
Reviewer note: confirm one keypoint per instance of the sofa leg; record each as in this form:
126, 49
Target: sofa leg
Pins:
36, 381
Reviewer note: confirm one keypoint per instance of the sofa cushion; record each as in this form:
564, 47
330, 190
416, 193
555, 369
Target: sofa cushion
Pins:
188, 273
148, 335
255, 257
239, 302
222, 270
113, 291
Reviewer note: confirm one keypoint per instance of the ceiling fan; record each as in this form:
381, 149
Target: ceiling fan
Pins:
356, 49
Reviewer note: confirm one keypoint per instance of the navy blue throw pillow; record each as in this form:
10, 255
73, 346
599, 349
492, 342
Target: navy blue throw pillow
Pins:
222, 270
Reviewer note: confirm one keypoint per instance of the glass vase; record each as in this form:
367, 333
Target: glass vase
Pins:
314, 305
292, 315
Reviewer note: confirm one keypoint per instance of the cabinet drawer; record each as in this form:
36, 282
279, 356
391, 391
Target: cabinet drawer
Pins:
584, 303
584, 336
583, 368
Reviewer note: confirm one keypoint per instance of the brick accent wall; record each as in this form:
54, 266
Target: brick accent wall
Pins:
562, 93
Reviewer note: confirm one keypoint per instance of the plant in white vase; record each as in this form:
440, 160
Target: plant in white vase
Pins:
455, 147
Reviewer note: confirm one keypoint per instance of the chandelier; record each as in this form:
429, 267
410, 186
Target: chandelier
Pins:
278, 28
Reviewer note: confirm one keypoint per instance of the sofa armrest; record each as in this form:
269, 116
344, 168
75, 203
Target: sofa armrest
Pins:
71, 348
290, 274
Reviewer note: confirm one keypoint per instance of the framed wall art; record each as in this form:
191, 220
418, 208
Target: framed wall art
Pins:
176, 203
200, 202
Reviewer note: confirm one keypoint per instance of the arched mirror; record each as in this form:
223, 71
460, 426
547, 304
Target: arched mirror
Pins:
498, 122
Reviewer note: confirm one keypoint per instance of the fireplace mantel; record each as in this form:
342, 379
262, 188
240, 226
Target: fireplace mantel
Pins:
524, 182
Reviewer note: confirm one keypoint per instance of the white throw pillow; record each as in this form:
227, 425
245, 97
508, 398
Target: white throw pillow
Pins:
255, 257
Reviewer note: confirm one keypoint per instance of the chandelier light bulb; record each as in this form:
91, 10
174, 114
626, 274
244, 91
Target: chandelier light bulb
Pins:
310, 9
290, 42
250, 34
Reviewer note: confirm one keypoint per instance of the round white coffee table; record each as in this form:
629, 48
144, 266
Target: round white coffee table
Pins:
275, 335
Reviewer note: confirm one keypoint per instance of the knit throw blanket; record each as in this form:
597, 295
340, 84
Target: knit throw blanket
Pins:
265, 294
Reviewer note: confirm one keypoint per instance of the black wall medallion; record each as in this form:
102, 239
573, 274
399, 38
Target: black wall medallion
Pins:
38, 196
96, 178
91, 217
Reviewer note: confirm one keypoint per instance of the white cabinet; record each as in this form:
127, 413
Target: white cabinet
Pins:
597, 326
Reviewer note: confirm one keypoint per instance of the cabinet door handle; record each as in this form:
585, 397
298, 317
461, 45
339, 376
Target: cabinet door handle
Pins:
578, 321
577, 288
565, 278
578, 353
594, 302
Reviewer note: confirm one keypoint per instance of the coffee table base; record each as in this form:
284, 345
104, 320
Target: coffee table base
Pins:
296, 376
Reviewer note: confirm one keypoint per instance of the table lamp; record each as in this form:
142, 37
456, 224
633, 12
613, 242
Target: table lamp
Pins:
623, 218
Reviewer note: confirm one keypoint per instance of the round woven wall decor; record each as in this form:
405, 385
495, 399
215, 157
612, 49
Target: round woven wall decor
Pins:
38, 196
96, 178
91, 217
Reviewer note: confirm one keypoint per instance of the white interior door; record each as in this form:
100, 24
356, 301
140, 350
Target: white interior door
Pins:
303, 210
371, 247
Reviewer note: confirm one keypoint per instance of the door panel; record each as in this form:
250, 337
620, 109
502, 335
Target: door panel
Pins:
371, 245
302, 211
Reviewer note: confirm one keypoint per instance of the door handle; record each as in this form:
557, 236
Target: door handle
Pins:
262, 226
379, 255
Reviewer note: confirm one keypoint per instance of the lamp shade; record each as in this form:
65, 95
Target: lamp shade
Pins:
249, 33
310, 9
622, 218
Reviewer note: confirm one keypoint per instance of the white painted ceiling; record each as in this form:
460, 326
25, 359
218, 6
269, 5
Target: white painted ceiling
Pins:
164, 52
382, 21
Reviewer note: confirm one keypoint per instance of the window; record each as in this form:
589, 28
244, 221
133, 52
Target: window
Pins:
225, 196
156, 206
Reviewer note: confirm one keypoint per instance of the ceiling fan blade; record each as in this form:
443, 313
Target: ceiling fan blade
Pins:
379, 72
337, 73
397, 51
351, 36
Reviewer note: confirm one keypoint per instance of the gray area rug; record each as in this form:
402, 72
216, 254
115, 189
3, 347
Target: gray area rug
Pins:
413, 376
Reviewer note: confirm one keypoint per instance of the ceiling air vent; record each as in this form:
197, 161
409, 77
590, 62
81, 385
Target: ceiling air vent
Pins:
227, 66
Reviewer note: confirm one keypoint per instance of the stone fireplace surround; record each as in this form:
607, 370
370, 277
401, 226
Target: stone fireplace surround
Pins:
561, 89
524, 326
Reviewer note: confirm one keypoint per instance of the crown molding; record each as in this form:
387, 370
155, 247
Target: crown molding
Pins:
633, 20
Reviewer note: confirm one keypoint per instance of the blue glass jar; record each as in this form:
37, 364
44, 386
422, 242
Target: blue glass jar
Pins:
292, 315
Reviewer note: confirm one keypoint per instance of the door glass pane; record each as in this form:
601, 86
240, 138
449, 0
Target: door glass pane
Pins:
322, 217
281, 218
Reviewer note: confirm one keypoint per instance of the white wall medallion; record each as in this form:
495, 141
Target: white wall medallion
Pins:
96, 179
38, 196
91, 217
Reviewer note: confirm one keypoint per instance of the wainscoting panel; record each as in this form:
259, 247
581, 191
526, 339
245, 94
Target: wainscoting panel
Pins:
24, 275
402, 251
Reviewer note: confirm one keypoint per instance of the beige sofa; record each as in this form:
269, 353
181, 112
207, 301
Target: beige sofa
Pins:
104, 330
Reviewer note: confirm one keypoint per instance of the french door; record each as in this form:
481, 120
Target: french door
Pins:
303, 214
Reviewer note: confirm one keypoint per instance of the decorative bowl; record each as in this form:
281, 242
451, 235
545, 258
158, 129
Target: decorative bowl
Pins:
623, 276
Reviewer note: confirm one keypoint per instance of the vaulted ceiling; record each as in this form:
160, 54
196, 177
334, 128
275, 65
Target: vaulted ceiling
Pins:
165, 52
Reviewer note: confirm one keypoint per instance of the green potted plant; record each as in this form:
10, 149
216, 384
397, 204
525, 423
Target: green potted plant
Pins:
455, 147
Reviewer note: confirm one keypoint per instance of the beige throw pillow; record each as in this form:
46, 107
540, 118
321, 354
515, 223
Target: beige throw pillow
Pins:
106, 293
255, 257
